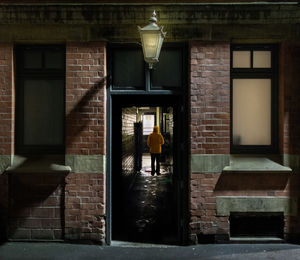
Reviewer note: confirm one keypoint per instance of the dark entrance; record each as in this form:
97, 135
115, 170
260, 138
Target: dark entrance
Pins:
146, 208
141, 207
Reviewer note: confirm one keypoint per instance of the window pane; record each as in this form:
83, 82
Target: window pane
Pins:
148, 123
252, 112
33, 59
128, 68
43, 112
261, 59
54, 60
241, 59
168, 71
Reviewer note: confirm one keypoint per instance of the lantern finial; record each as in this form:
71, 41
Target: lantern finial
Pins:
153, 18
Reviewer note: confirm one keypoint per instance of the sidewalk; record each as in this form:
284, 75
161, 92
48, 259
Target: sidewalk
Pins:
63, 251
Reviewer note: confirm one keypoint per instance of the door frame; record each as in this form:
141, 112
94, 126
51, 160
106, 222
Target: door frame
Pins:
182, 149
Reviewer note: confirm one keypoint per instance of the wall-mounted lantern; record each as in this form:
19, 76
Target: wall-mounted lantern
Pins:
152, 37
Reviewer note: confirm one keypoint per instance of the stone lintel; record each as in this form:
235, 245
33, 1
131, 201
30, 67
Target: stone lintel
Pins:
268, 204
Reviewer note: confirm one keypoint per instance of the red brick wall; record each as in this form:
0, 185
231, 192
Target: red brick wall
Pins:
209, 130
85, 135
289, 110
6, 100
210, 98
6, 126
210, 126
36, 208
289, 97
85, 207
85, 98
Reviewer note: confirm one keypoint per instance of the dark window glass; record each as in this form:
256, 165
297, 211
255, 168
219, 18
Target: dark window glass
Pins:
33, 59
128, 69
43, 110
40, 80
167, 73
54, 60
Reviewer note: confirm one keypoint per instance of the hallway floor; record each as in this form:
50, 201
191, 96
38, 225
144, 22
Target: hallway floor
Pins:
148, 208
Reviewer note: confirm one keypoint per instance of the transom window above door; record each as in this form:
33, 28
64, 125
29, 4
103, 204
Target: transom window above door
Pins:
128, 71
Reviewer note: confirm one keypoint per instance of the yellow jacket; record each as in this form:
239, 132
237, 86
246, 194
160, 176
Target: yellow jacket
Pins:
155, 140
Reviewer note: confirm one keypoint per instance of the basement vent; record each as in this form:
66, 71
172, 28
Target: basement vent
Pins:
256, 224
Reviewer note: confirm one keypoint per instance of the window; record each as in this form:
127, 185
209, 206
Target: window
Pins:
253, 99
129, 71
40, 86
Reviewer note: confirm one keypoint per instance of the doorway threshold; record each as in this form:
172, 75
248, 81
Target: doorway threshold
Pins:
138, 244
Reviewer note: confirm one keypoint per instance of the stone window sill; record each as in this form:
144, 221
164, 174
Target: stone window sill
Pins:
254, 164
38, 164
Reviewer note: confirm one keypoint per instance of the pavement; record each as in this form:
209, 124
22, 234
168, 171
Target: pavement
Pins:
65, 251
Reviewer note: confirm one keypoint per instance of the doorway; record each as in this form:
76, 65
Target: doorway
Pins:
146, 208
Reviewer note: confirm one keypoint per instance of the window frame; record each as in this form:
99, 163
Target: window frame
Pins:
21, 75
256, 73
148, 82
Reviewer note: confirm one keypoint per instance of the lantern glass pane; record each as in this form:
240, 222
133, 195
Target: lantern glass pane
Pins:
150, 44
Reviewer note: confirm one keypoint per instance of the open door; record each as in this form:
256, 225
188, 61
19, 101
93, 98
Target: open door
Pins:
146, 208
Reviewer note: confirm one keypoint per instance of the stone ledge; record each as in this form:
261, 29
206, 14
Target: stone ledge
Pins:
86, 163
38, 164
5, 162
254, 164
227, 204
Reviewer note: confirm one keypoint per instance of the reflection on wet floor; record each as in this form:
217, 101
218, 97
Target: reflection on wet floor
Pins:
147, 211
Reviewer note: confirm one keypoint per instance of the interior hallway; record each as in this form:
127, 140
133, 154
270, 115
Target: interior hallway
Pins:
147, 208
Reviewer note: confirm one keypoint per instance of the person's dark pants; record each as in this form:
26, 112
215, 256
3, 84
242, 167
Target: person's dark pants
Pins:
155, 157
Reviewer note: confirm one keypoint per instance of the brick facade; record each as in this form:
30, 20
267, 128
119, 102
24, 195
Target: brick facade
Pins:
210, 135
210, 125
85, 98
6, 128
85, 207
210, 95
47, 205
6, 99
289, 82
85, 135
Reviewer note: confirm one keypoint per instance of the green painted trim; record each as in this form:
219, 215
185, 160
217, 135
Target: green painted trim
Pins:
209, 163
5, 162
86, 163
227, 204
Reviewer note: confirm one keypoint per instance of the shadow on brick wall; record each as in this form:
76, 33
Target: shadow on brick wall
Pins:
36, 206
74, 125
